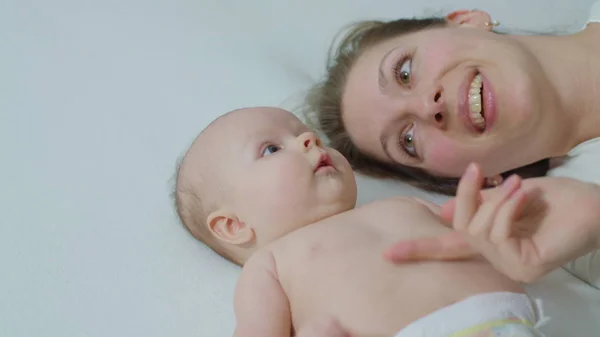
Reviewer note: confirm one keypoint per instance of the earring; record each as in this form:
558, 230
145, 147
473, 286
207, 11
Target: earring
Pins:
492, 23
494, 181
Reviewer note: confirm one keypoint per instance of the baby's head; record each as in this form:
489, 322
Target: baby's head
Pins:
256, 174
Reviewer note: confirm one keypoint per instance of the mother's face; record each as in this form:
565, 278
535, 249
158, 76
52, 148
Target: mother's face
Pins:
441, 98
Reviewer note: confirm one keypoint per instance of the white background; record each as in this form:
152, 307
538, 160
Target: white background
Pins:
97, 101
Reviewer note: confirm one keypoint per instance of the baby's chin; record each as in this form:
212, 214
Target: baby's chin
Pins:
337, 201
338, 188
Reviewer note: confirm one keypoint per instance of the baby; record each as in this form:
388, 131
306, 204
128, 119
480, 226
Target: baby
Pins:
259, 188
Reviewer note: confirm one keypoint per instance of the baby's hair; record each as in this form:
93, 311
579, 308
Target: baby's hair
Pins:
193, 210
193, 206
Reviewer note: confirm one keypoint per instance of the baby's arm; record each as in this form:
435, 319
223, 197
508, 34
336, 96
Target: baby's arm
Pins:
261, 306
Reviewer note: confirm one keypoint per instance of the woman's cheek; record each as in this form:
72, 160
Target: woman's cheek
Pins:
446, 157
439, 53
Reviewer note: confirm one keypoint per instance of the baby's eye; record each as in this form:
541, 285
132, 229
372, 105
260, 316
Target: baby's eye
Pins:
270, 149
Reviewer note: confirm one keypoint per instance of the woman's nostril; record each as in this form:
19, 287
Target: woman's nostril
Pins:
437, 96
438, 117
307, 143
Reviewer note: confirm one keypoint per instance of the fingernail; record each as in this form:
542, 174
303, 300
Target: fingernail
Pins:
399, 253
510, 182
471, 171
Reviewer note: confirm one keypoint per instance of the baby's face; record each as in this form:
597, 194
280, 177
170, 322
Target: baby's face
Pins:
278, 175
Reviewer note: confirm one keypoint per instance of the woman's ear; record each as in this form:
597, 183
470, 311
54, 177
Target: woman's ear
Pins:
471, 19
227, 228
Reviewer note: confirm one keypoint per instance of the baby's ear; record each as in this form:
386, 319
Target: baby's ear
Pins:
226, 227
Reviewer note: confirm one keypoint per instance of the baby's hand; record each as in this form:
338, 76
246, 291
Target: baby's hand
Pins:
324, 327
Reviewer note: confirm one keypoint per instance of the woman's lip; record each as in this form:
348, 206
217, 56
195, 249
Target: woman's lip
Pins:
463, 102
489, 103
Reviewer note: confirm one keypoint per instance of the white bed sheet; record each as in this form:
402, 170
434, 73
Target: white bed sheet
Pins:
98, 99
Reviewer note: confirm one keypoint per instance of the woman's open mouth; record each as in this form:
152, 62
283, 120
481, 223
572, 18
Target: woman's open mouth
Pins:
476, 104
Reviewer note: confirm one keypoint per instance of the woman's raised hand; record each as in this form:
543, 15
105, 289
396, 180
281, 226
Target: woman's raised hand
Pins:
524, 228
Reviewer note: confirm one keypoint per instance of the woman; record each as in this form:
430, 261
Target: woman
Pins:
420, 99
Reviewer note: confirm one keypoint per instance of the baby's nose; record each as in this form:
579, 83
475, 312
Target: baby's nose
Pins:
308, 140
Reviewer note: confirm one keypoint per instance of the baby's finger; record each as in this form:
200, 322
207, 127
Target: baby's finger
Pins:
467, 196
450, 246
485, 219
507, 215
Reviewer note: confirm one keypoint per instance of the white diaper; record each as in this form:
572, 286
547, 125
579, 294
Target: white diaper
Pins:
501, 314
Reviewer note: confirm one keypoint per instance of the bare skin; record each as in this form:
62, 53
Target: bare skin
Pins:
545, 91
559, 222
285, 204
334, 267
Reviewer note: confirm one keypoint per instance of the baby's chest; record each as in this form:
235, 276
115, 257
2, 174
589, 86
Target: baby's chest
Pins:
348, 283
329, 247
339, 266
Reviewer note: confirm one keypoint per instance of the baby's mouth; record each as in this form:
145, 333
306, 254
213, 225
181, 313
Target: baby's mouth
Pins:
324, 162
476, 111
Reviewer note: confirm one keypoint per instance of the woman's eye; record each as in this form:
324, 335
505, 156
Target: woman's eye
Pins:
402, 71
407, 142
269, 150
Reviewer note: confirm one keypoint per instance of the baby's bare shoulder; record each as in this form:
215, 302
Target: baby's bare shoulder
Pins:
261, 261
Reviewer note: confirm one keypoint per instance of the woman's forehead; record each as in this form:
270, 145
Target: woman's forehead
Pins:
408, 40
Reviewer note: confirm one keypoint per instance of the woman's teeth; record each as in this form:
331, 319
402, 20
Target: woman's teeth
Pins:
475, 106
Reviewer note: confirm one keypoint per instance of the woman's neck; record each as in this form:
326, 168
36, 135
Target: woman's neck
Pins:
572, 64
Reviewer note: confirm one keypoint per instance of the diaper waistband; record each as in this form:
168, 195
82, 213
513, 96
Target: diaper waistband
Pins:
483, 310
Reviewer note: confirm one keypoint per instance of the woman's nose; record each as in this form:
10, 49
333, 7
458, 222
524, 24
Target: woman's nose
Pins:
430, 107
308, 140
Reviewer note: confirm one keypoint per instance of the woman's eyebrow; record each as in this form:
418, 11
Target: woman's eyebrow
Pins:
382, 79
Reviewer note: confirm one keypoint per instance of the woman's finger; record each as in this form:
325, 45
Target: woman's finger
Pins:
467, 196
485, 218
507, 215
450, 246
447, 208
